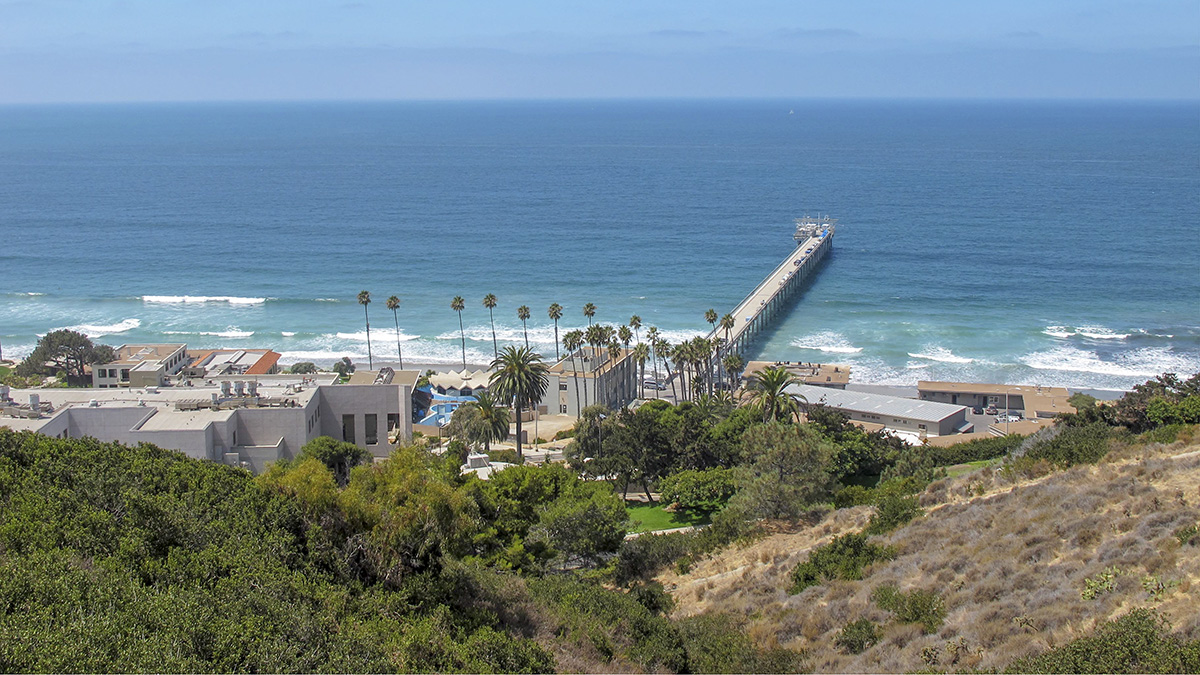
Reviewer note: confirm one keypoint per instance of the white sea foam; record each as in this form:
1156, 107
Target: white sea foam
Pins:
1139, 363
288, 333
1063, 332
826, 341
231, 333
377, 334
1101, 333
190, 299
940, 354
92, 331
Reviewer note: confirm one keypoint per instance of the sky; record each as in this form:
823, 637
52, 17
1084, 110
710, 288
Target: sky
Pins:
219, 50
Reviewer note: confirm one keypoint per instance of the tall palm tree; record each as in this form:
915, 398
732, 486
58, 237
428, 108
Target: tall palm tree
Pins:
489, 301
555, 313
393, 303
364, 299
520, 377
664, 349
727, 323
594, 337
652, 340
625, 335
495, 418
589, 310
523, 315
572, 341
711, 317
614, 352
640, 353
769, 395
635, 322
733, 365
458, 305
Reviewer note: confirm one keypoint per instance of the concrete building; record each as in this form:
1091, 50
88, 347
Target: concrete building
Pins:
1031, 401
907, 416
209, 363
247, 422
590, 376
140, 366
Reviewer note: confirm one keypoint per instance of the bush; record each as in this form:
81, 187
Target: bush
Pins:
303, 368
564, 433
916, 606
856, 636
843, 558
704, 490
1188, 536
1073, 445
1139, 642
977, 450
715, 643
892, 511
507, 455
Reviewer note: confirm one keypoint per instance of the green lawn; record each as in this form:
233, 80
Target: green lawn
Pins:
960, 469
4, 371
651, 517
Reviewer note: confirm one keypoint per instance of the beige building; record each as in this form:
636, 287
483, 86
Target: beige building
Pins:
830, 375
236, 420
140, 366
591, 376
906, 416
1031, 400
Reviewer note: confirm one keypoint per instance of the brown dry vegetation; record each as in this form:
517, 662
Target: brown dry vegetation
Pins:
1007, 553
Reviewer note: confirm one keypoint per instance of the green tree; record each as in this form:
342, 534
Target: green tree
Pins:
67, 351
635, 322
344, 367
338, 456
494, 417
641, 352
788, 470
303, 368
489, 301
572, 341
364, 299
520, 377
589, 310
457, 304
523, 315
702, 490
768, 393
393, 303
555, 312
733, 364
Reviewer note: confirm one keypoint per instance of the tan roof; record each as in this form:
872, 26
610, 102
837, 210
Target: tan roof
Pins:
1047, 400
132, 354
809, 373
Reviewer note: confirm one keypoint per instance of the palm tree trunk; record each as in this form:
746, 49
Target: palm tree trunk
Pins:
575, 377
556, 357
399, 354
370, 361
525, 329
462, 336
520, 456
667, 365
495, 345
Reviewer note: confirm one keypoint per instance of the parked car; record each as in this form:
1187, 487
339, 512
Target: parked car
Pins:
654, 384
991, 410
978, 410
1009, 417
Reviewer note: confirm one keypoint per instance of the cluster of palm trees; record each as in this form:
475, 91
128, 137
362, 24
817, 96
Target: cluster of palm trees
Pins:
392, 303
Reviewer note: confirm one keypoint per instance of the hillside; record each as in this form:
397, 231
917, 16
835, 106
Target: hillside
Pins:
1008, 555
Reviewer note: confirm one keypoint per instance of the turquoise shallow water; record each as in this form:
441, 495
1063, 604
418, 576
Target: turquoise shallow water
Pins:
1050, 243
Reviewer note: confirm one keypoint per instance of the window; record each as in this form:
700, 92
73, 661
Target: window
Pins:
348, 428
920, 426
393, 421
562, 409
124, 373
562, 386
372, 431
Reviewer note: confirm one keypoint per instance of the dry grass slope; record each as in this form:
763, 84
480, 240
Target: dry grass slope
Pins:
1009, 555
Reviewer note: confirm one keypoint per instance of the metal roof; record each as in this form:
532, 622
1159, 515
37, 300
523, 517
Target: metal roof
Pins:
877, 404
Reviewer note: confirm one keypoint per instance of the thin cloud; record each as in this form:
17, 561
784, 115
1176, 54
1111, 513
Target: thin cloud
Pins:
817, 33
675, 33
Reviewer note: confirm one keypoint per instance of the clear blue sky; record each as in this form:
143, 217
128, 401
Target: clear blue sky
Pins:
154, 50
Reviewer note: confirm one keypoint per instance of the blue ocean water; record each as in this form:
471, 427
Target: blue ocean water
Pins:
1028, 242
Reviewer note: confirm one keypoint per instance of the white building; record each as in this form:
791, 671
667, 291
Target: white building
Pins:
907, 416
246, 421
590, 376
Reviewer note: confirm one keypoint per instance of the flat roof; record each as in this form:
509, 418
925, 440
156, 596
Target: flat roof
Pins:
877, 404
131, 354
828, 373
983, 388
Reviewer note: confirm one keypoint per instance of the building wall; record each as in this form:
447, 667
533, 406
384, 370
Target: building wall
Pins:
973, 399
359, 401
943, 427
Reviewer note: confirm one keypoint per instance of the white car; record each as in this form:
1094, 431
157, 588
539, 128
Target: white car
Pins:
654, 384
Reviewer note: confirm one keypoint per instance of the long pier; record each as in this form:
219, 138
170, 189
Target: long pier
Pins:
814, 239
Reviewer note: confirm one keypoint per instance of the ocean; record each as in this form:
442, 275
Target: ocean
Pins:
1050, 243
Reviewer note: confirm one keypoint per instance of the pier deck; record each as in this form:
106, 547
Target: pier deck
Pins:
755, 312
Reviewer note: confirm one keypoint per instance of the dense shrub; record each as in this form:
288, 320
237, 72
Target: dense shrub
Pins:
977, 450
857, 636
843, 558
916, 606
1073, 445
716, 644
891, 512
1139, 642
648, 554
703, 490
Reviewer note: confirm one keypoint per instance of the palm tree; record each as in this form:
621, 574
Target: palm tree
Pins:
520, 377
594, 337
727, 323
572, 341
769, 395
640, 353
489, 301
458, 305
364, 299
523, 315
555, 313
393, 303
635, 322
625, 335
652, 339
664, 349
711, 317
614, 352
495, 419
733, 365
589, 310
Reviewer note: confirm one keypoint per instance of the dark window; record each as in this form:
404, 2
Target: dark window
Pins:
393, 421
562, 386
372, 432
348, 428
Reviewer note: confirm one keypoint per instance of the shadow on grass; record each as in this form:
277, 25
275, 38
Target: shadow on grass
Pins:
652, 517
